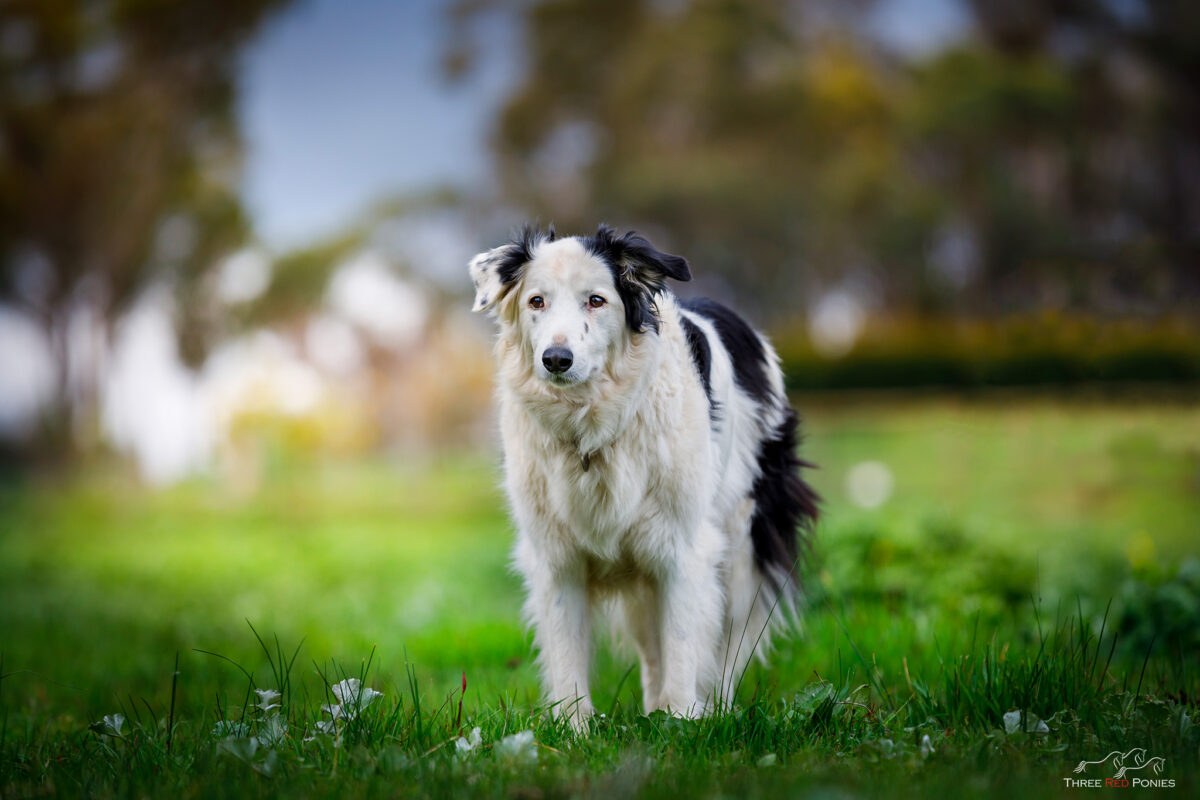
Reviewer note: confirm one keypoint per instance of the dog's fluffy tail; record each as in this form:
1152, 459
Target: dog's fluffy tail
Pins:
785, 508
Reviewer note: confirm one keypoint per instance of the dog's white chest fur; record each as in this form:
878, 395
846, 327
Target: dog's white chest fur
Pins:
604, 476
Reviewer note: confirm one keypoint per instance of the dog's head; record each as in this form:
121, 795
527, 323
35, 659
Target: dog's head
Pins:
574, 300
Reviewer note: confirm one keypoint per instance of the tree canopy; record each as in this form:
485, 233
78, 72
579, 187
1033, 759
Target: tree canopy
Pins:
1049, 158
119, 154
118, 147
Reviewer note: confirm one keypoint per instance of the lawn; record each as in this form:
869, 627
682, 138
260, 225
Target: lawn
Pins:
1034, 555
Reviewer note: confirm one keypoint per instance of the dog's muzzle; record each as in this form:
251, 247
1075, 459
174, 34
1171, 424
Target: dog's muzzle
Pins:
557, 360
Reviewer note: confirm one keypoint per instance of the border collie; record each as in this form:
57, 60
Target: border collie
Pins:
650, 460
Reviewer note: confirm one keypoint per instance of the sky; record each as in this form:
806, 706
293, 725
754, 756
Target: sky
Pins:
342, 103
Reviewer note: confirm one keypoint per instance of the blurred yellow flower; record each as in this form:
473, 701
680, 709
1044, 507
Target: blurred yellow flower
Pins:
1140, 550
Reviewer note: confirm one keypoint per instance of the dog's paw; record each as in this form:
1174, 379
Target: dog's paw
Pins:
576, 713
685, 707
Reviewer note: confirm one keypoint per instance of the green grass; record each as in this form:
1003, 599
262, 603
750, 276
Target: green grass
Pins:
1035, 555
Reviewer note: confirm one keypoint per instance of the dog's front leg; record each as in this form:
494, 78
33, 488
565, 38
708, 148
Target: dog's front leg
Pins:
679, 623
689, 613
562, 620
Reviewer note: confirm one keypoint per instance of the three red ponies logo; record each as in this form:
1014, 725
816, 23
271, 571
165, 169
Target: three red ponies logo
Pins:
1129, 771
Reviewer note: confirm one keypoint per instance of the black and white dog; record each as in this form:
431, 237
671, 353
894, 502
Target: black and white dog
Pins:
650, 459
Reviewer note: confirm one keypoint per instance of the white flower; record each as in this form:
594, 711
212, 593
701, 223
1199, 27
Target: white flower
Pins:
266, 699
1012, 723
352, 698
113, 723
226, 727
327, 727
768, 760
465, 745
350, 692
926, 746
520, 748
272, 731
240, 748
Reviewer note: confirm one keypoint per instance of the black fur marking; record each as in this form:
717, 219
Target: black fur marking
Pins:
639, 272
785, 507
701, 357
519, 253
743, 345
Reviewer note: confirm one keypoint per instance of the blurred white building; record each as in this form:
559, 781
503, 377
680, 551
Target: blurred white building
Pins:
27, 364
364, 368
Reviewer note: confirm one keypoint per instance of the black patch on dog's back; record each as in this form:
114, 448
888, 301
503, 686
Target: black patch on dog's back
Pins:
785, 506
745, 349
701, 356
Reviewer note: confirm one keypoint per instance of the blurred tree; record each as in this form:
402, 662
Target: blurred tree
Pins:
714, 122
118, 156
1050, 161
1134, 165
1110, 187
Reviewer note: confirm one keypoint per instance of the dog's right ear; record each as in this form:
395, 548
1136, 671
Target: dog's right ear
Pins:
495, 271
485, 274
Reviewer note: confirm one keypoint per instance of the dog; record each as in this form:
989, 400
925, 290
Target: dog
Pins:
650, 463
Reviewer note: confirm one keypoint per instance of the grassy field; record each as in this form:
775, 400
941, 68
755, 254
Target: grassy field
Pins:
1039, 556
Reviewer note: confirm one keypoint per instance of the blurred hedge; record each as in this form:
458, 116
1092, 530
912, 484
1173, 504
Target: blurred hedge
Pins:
1043, 350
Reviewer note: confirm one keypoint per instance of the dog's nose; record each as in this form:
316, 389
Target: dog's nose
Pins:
557, 359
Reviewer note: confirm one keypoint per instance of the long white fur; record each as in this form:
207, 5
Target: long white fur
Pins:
624, 494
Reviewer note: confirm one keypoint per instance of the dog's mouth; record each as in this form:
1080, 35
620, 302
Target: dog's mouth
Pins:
563, 380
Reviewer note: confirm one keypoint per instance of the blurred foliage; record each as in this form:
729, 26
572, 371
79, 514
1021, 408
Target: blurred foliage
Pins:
1053, 159
875, 565
119, 152
1047, 349
1164, 610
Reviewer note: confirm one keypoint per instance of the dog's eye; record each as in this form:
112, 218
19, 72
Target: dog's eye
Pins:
537, 302
596, 301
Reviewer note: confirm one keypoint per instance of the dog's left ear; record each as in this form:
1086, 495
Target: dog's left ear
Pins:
653, 265
640, 272
638, 260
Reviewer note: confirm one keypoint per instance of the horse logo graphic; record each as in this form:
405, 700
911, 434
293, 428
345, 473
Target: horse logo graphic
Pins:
1157, 763
1119, 761
1128, 769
